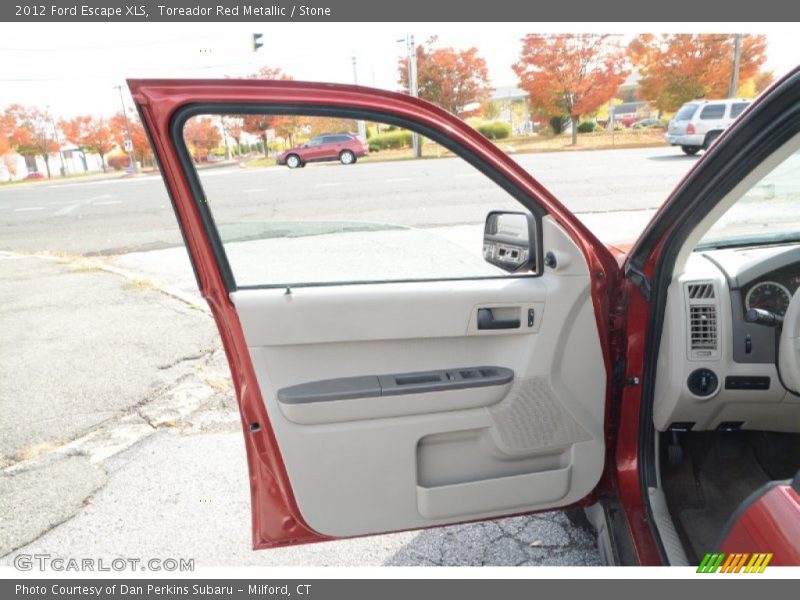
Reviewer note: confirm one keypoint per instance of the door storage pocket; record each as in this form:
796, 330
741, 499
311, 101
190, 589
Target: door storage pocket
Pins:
493, 495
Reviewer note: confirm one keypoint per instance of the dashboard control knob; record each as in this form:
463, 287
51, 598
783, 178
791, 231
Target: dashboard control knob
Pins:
703, 382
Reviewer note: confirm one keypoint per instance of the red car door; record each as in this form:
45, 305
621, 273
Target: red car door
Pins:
315, 149
330, 148
500, 422
766, 524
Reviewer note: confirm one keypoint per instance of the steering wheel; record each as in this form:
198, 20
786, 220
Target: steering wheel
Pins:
788, 350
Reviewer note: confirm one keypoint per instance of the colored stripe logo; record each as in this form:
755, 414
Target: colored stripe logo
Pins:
714, 562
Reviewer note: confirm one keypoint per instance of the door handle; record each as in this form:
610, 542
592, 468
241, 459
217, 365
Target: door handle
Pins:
486, 320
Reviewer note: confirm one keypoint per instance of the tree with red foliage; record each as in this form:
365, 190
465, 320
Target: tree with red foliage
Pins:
570, 74
33, 133
6, 130
763, 80
202, 135
676, 68
119, 131
259, 125
233, 126
447, 77
92, 134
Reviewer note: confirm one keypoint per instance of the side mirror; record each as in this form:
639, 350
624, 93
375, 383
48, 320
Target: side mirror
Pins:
509, 241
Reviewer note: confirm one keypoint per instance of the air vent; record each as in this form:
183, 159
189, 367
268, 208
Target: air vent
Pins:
700, 290
703, 327
702, 311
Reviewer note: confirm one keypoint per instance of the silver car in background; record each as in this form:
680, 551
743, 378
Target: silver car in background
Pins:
698, 123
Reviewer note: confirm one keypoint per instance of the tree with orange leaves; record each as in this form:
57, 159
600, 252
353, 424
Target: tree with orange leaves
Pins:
447, 77
676, 68
763, 80
202, 135
119, 130
33, 133
261, 124
6, 129
233, 127
91, 134
570, 74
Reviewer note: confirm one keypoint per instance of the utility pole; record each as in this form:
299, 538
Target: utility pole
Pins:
129, 144
411, 63
58, 142
737, 58
225, 138
362, 127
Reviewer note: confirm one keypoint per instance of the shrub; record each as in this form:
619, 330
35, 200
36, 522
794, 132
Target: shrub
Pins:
494, 130
587, 127
118, 161
637, 126
399, 138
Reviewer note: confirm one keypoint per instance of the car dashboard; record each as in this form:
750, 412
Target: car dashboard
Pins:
716, 370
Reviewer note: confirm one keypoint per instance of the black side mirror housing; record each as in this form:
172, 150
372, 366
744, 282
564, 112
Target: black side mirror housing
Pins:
509, 241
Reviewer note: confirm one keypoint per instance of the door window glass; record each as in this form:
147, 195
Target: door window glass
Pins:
372, 212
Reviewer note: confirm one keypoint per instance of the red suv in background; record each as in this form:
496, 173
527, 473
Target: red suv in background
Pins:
344, 147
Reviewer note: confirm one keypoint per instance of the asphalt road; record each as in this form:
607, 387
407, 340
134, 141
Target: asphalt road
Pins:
134, 214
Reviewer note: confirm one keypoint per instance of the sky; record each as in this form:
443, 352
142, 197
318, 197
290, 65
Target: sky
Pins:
73, 68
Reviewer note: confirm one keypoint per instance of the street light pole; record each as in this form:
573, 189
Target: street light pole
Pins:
737, 59
411, 65
362, 127
131, 153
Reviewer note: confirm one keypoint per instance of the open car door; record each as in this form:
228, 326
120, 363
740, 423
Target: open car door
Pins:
388, 377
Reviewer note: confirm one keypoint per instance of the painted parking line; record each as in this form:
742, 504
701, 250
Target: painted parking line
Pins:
28, 208
107, 203
320, 185
113, 181
398, 179
73, 207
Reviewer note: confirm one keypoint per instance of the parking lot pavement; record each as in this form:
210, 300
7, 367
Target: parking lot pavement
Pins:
86, 355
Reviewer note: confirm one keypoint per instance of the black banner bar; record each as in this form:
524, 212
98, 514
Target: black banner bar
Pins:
401, 10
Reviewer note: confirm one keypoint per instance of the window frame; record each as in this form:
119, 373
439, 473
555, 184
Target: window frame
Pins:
187, 111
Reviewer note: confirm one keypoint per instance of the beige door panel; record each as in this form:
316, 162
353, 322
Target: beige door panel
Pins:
362, 465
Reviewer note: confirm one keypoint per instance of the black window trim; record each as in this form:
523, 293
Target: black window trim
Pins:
185, 112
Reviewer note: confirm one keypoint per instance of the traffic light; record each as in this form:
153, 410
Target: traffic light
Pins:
256, 43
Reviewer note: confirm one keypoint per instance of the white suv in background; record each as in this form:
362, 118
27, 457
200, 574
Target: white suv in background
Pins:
699, 122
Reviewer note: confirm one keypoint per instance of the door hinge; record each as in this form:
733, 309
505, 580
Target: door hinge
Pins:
639, 279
